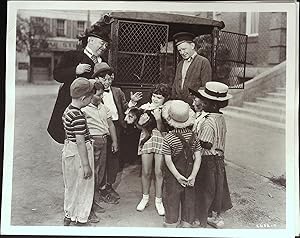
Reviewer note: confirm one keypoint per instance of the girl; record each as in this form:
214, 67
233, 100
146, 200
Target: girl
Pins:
150, 146
212, 192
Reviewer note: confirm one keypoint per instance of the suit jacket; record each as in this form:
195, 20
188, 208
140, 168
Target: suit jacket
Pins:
198, 73
121, 104
65, 72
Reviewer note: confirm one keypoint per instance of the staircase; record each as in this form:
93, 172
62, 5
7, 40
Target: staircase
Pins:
268, 110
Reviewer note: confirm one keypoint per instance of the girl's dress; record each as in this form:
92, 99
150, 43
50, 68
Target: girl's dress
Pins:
154, 143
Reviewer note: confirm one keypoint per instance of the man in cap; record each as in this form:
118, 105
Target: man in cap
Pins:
73, 64
193, 71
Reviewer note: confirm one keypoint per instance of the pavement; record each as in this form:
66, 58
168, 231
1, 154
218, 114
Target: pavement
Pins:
252, 155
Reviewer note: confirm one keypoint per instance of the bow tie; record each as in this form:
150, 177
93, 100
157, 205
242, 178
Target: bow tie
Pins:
106, 90
189, 59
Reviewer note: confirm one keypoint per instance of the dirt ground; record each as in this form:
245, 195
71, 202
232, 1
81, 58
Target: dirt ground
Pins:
37, 192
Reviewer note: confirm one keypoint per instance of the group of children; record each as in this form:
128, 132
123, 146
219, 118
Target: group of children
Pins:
186, 147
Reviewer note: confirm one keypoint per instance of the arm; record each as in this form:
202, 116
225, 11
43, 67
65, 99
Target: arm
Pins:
196, 166
113, 134
181, 179
206, 73
87, 172
65, 70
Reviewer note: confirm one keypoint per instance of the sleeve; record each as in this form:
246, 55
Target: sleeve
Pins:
166, 148
65, 70
123, 100
206, 132
79, 124
108, 112
197, 145
205, 71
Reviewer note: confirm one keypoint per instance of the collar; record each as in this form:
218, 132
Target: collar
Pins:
88, 51
107, 90
192, 57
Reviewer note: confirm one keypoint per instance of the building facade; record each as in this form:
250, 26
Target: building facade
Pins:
266, 35
63, 28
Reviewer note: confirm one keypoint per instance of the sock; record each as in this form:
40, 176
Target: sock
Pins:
158, 200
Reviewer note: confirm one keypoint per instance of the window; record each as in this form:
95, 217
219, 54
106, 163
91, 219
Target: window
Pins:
252, 20
80, 27
60, 28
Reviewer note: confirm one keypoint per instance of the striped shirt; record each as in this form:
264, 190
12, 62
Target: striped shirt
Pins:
172, 144
213, 130
75, 123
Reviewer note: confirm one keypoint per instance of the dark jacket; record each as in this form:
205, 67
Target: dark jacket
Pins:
198, 73
121, 104
65, 73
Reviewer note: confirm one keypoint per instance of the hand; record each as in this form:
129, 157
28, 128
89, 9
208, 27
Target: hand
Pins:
136, 96
182, 180
87, 172
191, 181
157, 113
82, 68
114, 147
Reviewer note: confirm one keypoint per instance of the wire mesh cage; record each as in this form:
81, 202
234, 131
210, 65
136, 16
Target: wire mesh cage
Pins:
138, 52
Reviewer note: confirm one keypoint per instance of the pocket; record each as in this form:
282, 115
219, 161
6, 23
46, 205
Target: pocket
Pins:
69, 150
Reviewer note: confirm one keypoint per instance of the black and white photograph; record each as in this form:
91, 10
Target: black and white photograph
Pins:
159, 119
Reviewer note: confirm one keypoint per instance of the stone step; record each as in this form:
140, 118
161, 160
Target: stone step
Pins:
276, 95
264, 107
254, 120
256, 112
271, 101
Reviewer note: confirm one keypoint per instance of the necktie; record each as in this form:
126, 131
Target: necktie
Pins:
94, 59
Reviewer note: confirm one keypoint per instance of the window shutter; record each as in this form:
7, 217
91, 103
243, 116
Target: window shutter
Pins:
68, 25
54, 26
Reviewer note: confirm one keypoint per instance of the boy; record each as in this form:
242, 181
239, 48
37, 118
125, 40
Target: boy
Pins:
182, 156
77, 156
114, 99
100, 125
212, 192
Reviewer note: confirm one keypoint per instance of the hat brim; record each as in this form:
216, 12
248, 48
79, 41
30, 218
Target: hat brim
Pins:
165, 114
100, 71
104, 38
203, 94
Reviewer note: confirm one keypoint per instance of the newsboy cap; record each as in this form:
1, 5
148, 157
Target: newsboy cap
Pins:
183, 37
80, 87
101, 67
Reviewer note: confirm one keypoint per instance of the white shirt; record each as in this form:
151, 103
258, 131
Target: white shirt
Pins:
89, 53
185, 66
108, 100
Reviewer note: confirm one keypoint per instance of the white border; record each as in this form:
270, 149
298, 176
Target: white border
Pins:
292, 86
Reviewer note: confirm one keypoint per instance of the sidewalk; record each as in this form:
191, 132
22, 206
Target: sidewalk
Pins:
257, 203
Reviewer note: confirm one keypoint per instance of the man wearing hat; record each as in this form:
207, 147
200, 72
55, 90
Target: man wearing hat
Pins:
193, 71
73, 64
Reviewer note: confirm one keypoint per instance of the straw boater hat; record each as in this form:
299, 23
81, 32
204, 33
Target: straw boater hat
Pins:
178, 114
101, 67
214, 91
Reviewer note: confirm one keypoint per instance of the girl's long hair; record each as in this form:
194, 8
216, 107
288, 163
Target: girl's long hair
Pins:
148, 128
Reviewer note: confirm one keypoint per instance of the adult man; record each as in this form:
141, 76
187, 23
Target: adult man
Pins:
191, 72
114, 99
73, 64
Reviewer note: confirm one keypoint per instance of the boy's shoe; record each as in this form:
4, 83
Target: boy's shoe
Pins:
113, 192
107, 197
184, 224
93, 218
67, 221
142, 205
216, 222
81, 223
97, 208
